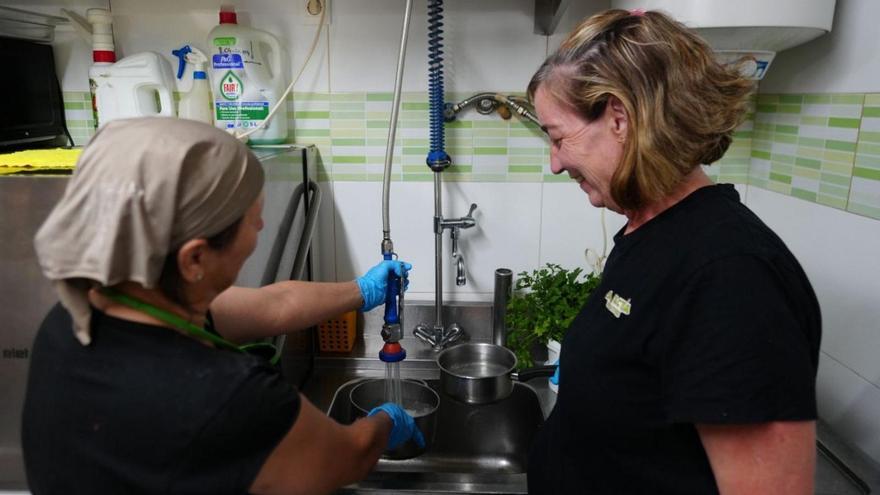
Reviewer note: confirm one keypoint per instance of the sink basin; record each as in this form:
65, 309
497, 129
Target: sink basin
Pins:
474, 441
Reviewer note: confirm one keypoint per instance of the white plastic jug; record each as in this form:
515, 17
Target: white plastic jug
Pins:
246, 83
137, 86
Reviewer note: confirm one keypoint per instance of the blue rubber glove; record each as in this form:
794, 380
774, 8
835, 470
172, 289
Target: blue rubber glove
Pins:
555, 378
374, 283
403, 428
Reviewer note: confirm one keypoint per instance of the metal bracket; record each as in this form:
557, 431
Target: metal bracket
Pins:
547, 15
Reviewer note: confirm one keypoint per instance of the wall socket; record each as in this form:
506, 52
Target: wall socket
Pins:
311, 11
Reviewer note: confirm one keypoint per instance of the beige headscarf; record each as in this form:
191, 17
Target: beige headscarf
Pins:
141, 188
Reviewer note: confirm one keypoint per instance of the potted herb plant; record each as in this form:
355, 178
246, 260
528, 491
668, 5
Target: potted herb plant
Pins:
543, 306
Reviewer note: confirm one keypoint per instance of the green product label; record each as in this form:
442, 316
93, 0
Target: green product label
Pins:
231, 87
246, 113
224, 41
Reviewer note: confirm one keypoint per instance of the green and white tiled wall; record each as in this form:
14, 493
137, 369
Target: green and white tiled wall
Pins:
804, 145
351, 130
78, 113
823, 148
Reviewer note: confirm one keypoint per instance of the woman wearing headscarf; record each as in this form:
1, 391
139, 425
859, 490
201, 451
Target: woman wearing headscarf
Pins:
137, 381
691, 368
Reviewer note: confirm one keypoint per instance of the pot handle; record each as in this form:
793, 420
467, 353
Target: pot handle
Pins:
530, 373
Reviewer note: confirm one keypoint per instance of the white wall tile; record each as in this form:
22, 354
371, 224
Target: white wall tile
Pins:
570, 225
849, 404
838, 62
505, 235
838, 251
508, 220
784, 148
490, 45
358, 228
365, 42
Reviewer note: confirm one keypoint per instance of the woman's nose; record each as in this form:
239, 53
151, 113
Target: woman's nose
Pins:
555, 166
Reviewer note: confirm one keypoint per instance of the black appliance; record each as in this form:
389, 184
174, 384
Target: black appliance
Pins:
33, 110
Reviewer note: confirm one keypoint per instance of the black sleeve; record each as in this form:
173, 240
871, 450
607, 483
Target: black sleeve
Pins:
738, 351
235, 443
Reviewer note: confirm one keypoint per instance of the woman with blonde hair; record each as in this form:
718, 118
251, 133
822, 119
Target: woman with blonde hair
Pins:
138, 380
691, 368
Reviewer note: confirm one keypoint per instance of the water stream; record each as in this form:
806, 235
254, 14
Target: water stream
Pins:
392, 383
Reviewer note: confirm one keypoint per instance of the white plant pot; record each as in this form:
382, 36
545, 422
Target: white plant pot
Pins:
553, 348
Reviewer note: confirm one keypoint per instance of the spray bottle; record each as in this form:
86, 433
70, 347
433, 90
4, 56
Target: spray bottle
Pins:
138, 85
247, 81
103, 51
195, 104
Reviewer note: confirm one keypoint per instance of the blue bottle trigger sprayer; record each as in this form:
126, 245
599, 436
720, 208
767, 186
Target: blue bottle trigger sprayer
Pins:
195, 104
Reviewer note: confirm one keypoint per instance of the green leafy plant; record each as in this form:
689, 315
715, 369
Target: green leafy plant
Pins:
543, 306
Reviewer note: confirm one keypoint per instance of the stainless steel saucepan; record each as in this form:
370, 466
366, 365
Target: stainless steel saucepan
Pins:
417, 399
481, 373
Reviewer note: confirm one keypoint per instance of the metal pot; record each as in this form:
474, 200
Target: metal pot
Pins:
482, 373
418, 399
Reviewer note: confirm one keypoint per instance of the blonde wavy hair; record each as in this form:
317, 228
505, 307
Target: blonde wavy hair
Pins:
682, 104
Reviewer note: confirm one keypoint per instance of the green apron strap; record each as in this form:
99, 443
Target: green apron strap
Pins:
256, 348
169, 318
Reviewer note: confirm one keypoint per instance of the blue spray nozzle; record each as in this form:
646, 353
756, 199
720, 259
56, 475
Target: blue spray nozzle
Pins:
392, 352
181, 54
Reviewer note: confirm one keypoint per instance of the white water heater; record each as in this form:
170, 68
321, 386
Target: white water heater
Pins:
759, 28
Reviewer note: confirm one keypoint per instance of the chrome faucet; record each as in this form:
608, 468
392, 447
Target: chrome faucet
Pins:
486, 103
460, 277
438, 335
455, 225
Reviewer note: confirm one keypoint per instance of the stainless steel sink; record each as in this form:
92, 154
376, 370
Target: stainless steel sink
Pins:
476, 449
489, 439
483, 449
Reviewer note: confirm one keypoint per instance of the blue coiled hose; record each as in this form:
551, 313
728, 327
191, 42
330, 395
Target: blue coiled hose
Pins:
437, 159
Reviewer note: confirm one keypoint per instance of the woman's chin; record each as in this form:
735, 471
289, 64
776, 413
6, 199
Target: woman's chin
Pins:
593, 195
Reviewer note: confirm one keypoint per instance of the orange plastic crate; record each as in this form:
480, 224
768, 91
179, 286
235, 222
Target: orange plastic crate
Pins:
337, 334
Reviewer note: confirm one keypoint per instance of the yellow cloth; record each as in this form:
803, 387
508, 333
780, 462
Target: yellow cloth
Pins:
34, 160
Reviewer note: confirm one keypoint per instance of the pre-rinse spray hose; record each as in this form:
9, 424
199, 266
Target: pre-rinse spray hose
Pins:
392, 329
437, 158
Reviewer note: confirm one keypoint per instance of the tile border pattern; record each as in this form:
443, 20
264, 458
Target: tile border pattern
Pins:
823, 148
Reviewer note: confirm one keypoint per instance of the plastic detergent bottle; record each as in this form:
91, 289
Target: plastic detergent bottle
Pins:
247, 83
103, 50
195, 104
136, 86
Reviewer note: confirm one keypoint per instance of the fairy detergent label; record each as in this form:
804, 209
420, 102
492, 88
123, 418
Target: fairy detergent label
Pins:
230, 87
247, 80
237, 104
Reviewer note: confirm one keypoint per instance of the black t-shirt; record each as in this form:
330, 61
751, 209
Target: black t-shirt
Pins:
146, 410
702, 316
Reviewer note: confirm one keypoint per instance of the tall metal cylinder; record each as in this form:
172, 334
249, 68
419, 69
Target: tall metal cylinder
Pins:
503, 287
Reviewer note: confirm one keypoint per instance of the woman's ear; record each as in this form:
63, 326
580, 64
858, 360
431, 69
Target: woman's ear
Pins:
617, 118
191, 259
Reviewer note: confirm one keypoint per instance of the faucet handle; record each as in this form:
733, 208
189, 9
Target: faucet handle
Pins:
471, 211
468, 221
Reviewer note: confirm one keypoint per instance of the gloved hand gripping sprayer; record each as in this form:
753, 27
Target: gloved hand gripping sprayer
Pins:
392, 329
